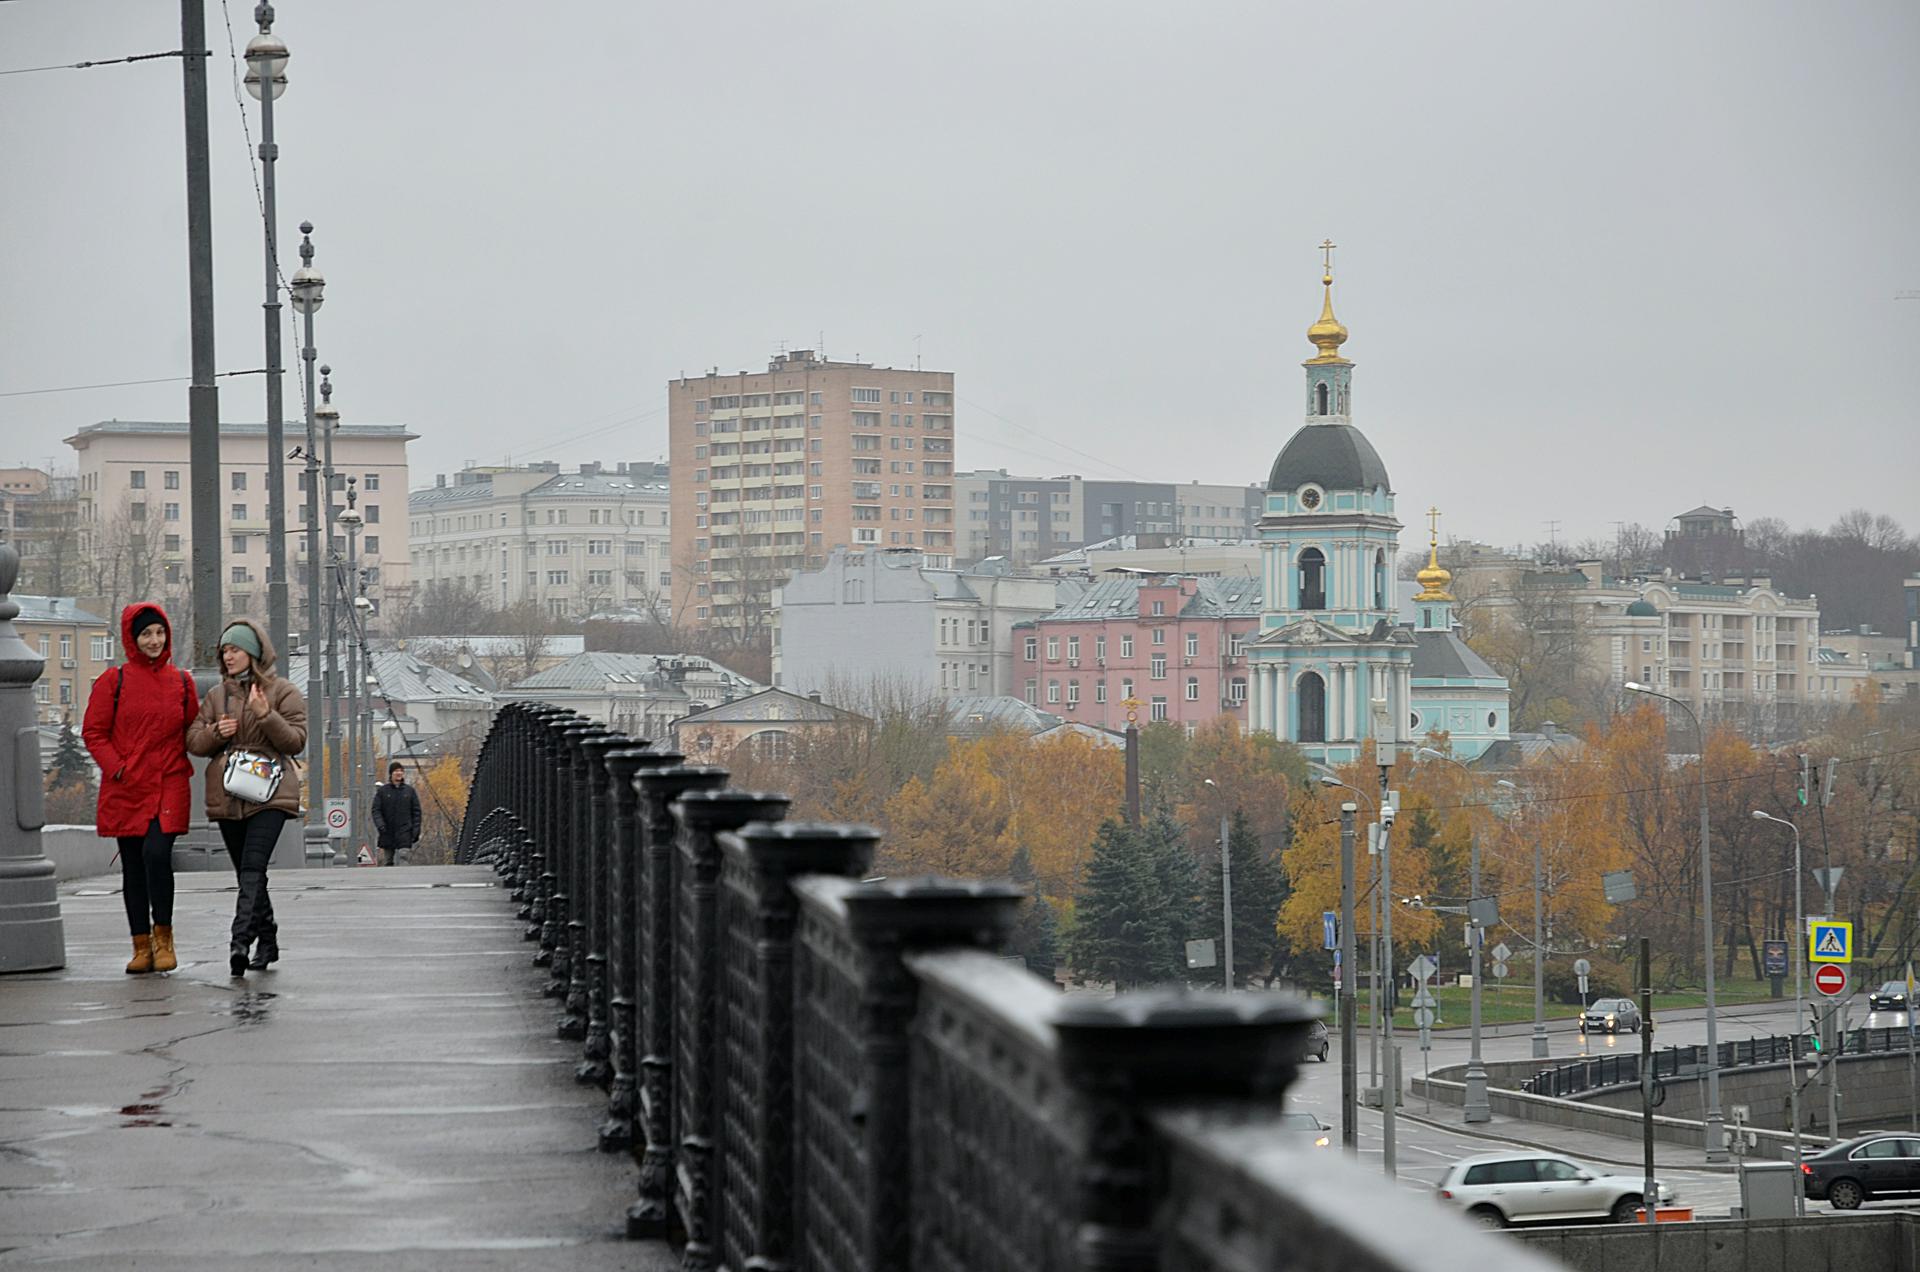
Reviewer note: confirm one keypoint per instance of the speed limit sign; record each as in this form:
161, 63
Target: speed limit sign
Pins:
339, 814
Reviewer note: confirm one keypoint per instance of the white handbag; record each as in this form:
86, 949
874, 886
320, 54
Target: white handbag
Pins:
251, 776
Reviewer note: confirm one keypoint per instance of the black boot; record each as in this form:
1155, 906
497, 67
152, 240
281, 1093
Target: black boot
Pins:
237, 960
266, 950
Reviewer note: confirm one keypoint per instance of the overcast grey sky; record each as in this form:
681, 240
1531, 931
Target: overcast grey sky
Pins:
1600, 262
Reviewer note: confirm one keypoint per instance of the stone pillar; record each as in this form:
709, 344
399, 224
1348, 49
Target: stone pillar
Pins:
32, 938
623, 874
575, 823
757, 908
655, 909
596, 1066
704, 816
1128, 1053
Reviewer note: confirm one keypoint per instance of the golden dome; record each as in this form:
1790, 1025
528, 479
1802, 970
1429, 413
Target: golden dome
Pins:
1433, 577
1327, 334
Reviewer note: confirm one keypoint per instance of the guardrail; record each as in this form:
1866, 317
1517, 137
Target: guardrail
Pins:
1567, 1080
813, 1071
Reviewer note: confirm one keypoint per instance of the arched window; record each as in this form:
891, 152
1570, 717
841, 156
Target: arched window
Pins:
1380, 579
1313, 579
1320, 399
1311, 697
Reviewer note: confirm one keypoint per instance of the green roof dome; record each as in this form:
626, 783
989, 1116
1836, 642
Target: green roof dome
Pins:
1642, 609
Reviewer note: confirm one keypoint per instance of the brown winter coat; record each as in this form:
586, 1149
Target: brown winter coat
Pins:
282, 731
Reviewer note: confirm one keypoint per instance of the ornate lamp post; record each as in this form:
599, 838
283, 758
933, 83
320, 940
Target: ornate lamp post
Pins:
307, 290
1715, 1123
266, 80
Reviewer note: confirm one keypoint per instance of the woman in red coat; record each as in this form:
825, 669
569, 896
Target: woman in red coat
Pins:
136, 731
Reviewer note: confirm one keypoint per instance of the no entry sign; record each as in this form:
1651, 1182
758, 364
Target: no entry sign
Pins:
1830, 979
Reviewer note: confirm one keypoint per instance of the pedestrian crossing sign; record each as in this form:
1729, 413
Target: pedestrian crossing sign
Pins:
1830, 941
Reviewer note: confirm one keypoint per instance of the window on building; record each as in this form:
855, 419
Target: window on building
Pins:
372, 513
239, 545
238, 512
1126, 646
236, 481
1031, 648
1073, 648
1053, 648
1053, 691
1159, 635
1312, 584
1193, 688
372, 544
1033, 693
171, 479
1126, 689
1311, 695
1099, 691
170, 511
137, 479
1193, 644
1159, 667
1157, 709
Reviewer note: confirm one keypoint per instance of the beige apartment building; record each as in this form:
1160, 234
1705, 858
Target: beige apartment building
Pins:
1734, 649
77, 644
135, 520
773, 470
595, 541
37, 516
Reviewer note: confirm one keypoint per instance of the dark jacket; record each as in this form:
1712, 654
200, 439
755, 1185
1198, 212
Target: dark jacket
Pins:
281, 731
136, 730
396, 816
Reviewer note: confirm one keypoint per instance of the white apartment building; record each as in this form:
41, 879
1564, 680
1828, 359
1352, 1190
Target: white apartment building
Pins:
587, 542
875, 621
135, 519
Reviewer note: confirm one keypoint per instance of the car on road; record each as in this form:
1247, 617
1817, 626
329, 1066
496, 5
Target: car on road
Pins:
1498, 1189
1891, 996
1317, 1041
1305, 1129
1865, 1168
1611, 1015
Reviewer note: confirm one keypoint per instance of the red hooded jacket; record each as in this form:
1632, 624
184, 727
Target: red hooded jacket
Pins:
140, 740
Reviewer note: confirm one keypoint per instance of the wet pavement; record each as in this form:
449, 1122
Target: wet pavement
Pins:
391, 1095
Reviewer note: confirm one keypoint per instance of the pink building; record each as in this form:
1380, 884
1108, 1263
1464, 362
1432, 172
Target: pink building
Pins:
1173, 642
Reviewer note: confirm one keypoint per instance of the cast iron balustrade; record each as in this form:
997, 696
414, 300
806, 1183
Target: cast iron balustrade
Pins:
1568, 1080
818, 1074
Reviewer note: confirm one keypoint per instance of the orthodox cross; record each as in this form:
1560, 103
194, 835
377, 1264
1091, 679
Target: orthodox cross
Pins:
1327, 247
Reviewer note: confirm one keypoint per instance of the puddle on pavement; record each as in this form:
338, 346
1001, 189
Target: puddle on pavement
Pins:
249, 1007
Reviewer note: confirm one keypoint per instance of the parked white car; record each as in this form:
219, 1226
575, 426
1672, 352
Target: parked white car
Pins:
1498, 1189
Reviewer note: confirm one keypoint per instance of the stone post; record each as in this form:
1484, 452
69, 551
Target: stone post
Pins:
653, 999
32, 938
616, 1132
575, 818
596, 1067
704, 817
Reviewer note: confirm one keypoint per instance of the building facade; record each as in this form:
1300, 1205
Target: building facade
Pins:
871, 623
588, 542
1168, 648
76, 644
39, 516
773, 470
135, 523
640, 695
1028, 519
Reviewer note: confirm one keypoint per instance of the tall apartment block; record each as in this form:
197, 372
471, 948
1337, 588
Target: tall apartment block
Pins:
1028, 519
771, 471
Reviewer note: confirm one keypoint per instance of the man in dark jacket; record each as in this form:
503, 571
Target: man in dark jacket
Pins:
396, 815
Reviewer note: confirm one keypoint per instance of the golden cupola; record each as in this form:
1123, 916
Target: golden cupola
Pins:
1327, 334
1433, 577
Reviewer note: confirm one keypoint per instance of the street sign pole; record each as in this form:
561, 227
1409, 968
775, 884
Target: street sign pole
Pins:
1649, 1189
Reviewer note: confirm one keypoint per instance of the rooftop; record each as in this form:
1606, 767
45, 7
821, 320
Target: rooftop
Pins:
178, 428
53, 609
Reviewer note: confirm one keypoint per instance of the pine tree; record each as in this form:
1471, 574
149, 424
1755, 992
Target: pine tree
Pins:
70, 763
1035, 937
1178, 904
1115, 921
1259, 890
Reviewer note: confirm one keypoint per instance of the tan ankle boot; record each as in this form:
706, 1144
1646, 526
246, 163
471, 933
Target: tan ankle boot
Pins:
163, 957
142, 955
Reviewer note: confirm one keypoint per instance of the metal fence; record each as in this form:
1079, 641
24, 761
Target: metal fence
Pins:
812, 1072
1567, 1080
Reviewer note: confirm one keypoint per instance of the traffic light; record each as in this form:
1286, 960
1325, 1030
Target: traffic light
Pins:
1806, 780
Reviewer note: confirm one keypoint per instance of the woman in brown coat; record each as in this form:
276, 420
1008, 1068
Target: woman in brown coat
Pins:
256, 711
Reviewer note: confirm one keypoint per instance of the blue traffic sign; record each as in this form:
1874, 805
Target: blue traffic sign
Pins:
1330, 926
1830, 941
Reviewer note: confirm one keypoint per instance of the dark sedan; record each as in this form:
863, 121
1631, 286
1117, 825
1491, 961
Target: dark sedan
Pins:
1317, 1041
1891, 996
1863, 1169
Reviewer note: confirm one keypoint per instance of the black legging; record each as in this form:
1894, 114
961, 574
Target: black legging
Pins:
146, 878
250, 844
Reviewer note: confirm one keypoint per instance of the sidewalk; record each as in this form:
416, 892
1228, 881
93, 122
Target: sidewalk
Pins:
390, 1096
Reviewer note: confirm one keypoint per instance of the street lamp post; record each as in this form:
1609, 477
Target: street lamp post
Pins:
266, 80
307, 290
350, 519
1475, 1104
1226, 892
1799, 1001
327, 416
1715, 1123
1348, 1059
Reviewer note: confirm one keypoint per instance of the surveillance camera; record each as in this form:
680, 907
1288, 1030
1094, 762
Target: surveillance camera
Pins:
1386, 815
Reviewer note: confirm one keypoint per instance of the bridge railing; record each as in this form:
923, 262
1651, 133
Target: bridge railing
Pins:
817, 1070
1568, 1080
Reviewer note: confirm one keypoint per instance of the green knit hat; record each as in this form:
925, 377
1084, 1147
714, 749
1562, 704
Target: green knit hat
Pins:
241, 636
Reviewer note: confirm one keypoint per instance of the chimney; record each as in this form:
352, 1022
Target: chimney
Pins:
590, 469
440, 481
813, 696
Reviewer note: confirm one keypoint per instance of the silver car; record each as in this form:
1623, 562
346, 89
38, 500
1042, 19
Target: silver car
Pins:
1611, 1015
1498, 1189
